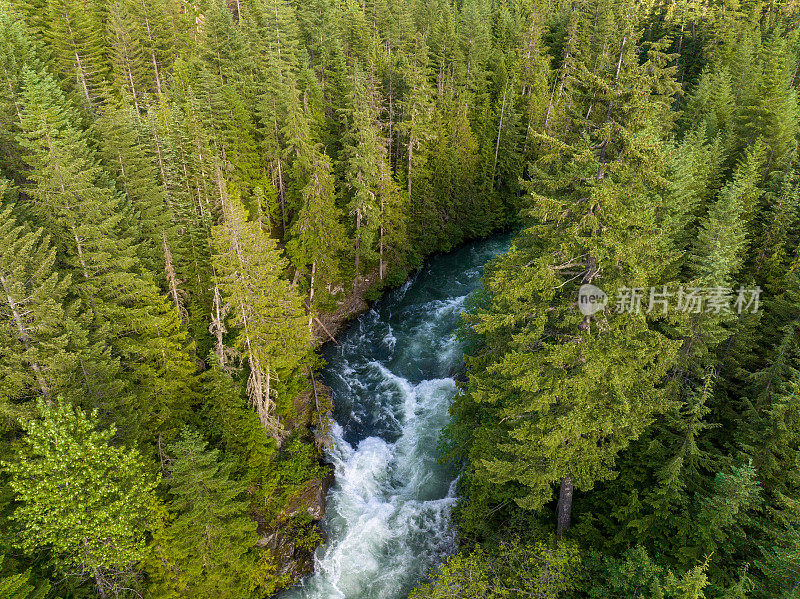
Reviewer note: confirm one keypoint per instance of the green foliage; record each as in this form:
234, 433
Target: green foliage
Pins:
86, 502
191, 183
513, 569
207, 549
272, 336
19, 586
635, 575
38, 359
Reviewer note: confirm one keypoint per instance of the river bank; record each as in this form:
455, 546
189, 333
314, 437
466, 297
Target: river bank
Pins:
387, 513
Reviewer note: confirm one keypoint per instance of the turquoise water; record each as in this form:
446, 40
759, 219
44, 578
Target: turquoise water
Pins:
388, 516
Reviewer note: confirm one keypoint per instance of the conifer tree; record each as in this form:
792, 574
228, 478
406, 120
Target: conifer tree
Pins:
127, 56
694, 173
375, 203
151, 373
17, 53
19, 586
74, 31
562, 410
418, 108
717, 255
125, 153
180, 148
318, 237
770, 432
272, 336
209, 549
226, 95
39, 354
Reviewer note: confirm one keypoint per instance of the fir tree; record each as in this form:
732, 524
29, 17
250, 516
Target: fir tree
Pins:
209, 549
151, 373
318, 237
39, 354
272, 335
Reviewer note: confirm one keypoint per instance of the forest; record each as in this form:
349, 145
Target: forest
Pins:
191, 191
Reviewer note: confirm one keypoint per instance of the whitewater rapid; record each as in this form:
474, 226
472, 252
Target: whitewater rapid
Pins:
388, 514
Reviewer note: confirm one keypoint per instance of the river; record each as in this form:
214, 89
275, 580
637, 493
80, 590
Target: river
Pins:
388, 515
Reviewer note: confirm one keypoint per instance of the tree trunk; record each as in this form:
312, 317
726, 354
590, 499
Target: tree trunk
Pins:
381, 266
499, 131
152, 48
601, 166
25, 338
98, 581
564, 508
358, 246
82, 260
217, 326
80, 74
172, 278
311, 299
133, 89
410, 153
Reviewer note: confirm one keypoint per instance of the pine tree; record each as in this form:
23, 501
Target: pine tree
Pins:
318, 237
74, 32
780, 563
768, 108
225, 97
566, 392
124, 151
636, 574
21, 586
127, 55
146, 36
17, 52
272, 336
209, 549
723, 515
418, 108
179, 147
150, 377
716, 257
374, 200
694, 172
39, 356
769, 432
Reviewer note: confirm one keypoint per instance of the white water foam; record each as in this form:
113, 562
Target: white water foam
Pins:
384, 508
388, 514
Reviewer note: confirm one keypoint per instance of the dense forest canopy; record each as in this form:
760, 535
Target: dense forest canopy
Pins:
187, 187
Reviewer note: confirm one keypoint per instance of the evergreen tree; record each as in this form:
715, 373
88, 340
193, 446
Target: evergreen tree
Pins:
318, 237
17, 53
126, 154
150, 376
567, 396
272, 335
209, 549
20, 586
74, 31
374, 198
39, 356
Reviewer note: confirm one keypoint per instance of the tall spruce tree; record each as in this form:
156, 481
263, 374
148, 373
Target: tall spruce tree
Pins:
569, 391
40, 344
209, 549
150, 376
272, 334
